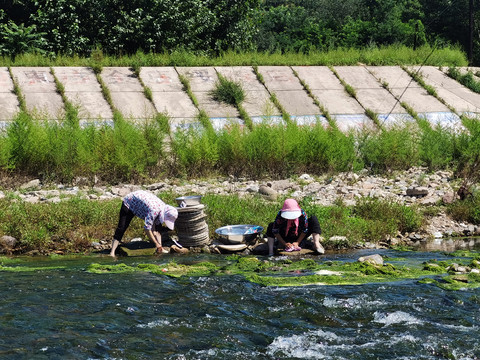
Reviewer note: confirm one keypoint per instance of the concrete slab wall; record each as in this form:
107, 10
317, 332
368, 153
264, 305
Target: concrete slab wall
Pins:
37, 85
83, 90
453, 93
281, 81
168, 94
9, 104
257, 98
127, 93
202, 81
380, 89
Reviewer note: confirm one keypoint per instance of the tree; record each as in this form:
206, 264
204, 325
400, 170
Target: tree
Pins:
18, 39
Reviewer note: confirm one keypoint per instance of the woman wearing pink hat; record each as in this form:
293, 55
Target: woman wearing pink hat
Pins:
291, 227
150, 208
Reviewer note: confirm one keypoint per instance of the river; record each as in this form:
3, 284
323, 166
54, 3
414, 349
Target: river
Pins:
61, 311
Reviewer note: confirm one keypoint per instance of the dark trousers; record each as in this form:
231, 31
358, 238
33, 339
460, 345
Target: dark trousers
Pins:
313, 228
125, 217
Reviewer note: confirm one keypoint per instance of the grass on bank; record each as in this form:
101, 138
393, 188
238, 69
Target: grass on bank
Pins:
385, 55
72, 225
60, 151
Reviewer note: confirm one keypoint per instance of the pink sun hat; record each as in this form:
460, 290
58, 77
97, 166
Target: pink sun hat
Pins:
170, 216
291, 210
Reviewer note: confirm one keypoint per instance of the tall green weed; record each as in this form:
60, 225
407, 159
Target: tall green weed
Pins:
436, 146
394, 148
371, 55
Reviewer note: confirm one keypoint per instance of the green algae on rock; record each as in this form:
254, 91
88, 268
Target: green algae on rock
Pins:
29, 268
170, 269
293, 272
456, 282
114, 269
464, 254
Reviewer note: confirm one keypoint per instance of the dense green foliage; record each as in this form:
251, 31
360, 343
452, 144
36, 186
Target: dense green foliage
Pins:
78, 27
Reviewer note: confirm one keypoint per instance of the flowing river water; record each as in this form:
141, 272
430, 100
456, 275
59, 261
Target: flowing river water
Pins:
61, 311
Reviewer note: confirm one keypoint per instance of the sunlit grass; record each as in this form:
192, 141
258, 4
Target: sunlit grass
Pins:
385, 55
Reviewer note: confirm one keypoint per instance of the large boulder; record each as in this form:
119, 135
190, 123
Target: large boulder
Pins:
33, 184
7, 243
268, 192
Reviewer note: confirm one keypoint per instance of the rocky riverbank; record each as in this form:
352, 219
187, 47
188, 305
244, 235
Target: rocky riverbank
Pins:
412, 187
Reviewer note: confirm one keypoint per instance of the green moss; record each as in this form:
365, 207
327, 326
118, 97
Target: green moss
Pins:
171, 269
285, 280
7, 260
464, 253
29, 268
436, 268
305, 272
246, 264
308, 264
115, 269
459, 282
354, 273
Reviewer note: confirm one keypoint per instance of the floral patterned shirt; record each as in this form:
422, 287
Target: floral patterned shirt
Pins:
146, 206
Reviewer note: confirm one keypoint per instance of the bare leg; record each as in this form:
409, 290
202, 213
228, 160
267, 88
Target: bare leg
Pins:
271, 242
114, 247
316, 244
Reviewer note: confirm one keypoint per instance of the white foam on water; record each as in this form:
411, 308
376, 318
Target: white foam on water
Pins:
154, 324
276, 308
325, 344
215, 353
461, 328
395, 317
360, 302
311, 345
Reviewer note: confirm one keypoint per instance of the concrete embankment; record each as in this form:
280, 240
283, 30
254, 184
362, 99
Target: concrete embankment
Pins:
304, 92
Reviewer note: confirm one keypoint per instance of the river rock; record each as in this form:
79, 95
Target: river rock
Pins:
305, 177
417, 191
155, 186
449, 197
375, 259
33, 184
268, 192
7, 242
281, 185
337, 240
456, 268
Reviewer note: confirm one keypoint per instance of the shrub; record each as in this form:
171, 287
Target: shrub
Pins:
395, 148
399, 217
228, 91
467, 210
436, 146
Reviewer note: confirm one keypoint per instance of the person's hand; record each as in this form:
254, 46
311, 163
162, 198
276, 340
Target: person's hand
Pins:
288, 246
